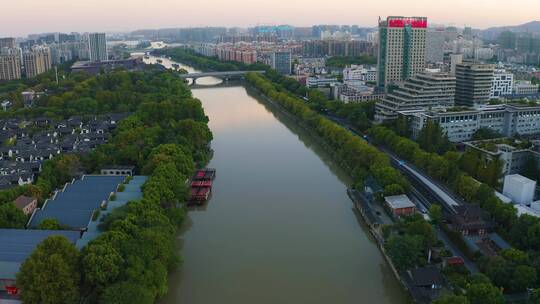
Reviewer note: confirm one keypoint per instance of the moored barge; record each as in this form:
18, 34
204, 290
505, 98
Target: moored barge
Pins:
201, 185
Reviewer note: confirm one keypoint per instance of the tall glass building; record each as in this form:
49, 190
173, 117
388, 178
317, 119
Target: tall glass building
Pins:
97, 46
281, 62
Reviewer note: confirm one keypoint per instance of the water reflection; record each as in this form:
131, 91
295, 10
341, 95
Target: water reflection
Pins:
279, 227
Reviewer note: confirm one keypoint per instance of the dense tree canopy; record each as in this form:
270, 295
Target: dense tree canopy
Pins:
51, 274
12, 217
342, 61
432, 138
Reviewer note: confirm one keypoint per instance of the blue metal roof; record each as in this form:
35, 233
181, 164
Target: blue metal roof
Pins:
132, 192
74, 206
18, 244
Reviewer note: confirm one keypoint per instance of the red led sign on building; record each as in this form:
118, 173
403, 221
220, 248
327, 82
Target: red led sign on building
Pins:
12, 290
402, 22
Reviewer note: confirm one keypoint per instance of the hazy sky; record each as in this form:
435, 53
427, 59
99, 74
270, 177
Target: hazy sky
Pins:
21, 17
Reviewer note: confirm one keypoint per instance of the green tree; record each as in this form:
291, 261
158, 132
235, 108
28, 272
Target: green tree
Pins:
433, 139
101, 264
523, 277
482, 293
405, 251
486, 133
126, 292
535, 297
50, 224
451, 299
51, 274
435, 213
11, 216
393, 189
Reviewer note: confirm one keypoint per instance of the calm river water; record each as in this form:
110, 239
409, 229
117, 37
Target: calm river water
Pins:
279, 227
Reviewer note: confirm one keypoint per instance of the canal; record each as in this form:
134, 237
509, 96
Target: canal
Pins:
279, 227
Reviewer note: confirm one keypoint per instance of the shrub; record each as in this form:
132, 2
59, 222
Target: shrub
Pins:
95, 215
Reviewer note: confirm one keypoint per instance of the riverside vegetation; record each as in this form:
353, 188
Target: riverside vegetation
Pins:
165, 137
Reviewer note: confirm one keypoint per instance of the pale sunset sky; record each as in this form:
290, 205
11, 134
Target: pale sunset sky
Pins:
22, 17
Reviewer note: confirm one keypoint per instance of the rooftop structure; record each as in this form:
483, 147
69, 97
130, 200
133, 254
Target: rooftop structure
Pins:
400, 205
519, 188
118, 170
26, 204
470, 220
513, 153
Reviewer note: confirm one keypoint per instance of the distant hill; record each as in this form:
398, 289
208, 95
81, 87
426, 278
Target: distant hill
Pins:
493, 32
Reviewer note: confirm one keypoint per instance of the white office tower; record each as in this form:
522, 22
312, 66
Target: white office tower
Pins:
97, 47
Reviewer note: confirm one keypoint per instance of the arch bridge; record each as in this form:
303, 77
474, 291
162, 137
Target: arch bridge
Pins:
227, 75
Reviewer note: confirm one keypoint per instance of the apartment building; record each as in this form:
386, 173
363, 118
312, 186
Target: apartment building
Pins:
10, 67
37, 61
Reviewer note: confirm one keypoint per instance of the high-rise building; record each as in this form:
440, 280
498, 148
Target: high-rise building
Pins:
422, 91
7, 42
10, 66
502, 84
473, 83
435, 45
402, 49
97, 46
37, 61
281, 62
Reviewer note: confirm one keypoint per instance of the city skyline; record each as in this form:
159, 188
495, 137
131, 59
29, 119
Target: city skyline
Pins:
80, 16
